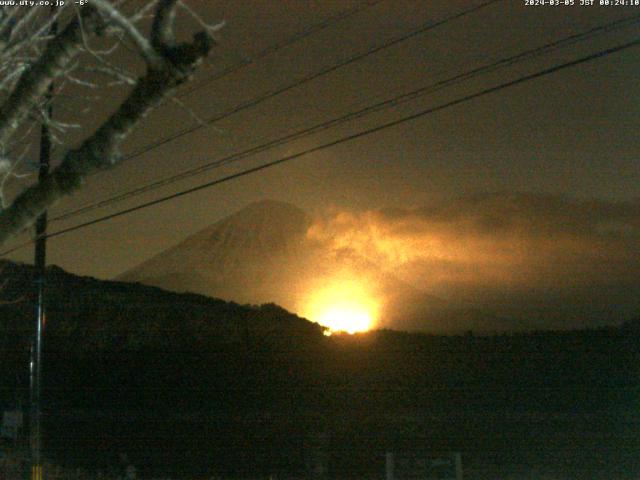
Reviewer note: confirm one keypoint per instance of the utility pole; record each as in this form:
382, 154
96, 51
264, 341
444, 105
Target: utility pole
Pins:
36, 348
40, 260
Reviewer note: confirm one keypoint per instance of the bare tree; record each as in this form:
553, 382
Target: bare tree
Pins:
37, 62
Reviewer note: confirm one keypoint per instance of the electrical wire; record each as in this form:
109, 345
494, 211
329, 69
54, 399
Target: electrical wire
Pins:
283, 89
296, 37
361, 134
395, 101
274, 47
255, 101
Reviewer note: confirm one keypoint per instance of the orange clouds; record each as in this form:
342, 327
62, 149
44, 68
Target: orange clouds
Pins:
495, 245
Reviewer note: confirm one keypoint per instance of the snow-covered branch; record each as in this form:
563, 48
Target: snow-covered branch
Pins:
62, 56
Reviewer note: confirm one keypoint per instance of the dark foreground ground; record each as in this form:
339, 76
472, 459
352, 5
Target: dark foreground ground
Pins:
193, 387
493, 445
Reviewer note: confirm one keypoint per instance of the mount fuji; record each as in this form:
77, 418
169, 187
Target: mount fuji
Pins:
261, 254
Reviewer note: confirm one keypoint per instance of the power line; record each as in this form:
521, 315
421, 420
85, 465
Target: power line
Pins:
271, 48
257, 100
296, 37
400, 99
283, 89
363, 133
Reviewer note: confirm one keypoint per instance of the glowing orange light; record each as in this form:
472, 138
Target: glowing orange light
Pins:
343, 306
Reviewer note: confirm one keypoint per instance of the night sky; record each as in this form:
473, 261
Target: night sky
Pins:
565, 145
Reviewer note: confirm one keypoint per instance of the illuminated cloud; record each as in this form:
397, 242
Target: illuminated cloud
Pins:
484, 262
517, 254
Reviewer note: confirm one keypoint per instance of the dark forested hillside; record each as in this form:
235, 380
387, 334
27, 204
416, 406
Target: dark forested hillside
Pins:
183, 371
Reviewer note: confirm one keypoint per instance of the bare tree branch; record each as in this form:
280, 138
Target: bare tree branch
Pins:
35, 81
101, 150
162, 29
149, 54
